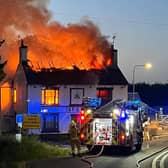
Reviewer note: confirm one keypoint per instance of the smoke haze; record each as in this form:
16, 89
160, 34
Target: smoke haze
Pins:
49, 43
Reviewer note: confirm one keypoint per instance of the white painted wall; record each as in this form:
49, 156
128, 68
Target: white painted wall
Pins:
89, 91
65, 112
21, 91
120, 92
34, 98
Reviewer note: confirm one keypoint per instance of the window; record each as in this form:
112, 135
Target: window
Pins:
50, 123
14, 96
50, 96
76, 95
105, 94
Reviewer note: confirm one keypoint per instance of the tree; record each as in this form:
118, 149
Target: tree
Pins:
152, 94
2, 73
2, 65
2, 76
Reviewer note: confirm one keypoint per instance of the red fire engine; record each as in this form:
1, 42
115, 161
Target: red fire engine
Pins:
117, 123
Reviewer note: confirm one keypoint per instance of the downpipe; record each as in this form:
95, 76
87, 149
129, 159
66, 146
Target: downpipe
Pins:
86, 158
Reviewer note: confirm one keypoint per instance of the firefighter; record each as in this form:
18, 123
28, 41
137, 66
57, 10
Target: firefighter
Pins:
146, 133
74, 139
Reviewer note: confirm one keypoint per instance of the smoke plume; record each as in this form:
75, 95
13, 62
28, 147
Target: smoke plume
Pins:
50, 44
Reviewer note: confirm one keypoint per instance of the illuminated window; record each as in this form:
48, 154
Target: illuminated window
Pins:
14, 96
105, 94
50, 96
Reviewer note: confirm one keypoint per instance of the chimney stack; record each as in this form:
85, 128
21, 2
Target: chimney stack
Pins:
22, 52
114, 55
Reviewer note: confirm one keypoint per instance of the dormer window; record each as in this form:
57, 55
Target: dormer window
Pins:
50, 96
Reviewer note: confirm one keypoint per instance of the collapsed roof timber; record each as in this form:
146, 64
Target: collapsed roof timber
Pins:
61, 76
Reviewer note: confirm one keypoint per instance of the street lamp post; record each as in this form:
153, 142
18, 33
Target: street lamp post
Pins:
146, 66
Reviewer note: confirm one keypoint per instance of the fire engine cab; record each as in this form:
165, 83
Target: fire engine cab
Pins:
117, 123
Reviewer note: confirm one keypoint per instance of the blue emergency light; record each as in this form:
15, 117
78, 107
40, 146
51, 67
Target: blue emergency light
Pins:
123, 115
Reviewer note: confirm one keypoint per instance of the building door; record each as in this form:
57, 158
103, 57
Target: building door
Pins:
50, 123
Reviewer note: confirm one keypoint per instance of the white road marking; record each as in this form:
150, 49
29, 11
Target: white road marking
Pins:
163, 160
154, 162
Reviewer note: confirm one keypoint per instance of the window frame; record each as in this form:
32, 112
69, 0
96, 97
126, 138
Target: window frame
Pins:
79, 91
54, 125
53, 97
108, 97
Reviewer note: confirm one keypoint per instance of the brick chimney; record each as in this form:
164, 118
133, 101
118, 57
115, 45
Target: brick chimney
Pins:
22, 52
114, 55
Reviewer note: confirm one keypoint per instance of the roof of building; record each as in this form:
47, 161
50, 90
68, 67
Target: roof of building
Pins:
108, 76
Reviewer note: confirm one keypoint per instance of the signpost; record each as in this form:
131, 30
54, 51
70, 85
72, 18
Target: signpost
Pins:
31, 121
26, 121
19, 121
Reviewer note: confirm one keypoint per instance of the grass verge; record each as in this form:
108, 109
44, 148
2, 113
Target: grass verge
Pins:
30, 148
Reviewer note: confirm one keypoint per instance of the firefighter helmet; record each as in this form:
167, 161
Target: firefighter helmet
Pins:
73, 123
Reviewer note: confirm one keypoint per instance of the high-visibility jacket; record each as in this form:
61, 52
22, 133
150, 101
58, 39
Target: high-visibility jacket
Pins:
73, 132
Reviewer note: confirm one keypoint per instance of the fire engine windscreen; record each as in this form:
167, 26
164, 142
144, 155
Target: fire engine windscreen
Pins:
91, 102
102, 131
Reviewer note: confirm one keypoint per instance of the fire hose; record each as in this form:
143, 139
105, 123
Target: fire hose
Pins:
86, 158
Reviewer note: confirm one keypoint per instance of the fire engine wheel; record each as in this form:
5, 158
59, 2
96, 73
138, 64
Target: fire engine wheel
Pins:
93, 150
130, 149
89, 147
138, 146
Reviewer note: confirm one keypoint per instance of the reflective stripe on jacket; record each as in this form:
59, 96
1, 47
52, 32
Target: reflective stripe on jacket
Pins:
73, 132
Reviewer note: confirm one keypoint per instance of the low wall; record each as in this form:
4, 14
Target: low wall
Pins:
7, 124
55, 137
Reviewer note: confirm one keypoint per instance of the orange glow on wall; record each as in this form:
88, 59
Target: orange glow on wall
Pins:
14, 96
5, 97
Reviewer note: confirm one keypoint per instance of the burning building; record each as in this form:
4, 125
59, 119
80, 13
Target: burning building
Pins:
56, 94
63, 64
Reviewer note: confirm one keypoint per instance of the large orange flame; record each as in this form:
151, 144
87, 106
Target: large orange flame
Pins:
50, 44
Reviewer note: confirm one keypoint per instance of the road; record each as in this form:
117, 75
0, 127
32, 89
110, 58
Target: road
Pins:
124, 160
114, 158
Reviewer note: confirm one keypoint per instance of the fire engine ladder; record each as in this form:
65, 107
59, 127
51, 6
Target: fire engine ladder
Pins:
115, 132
